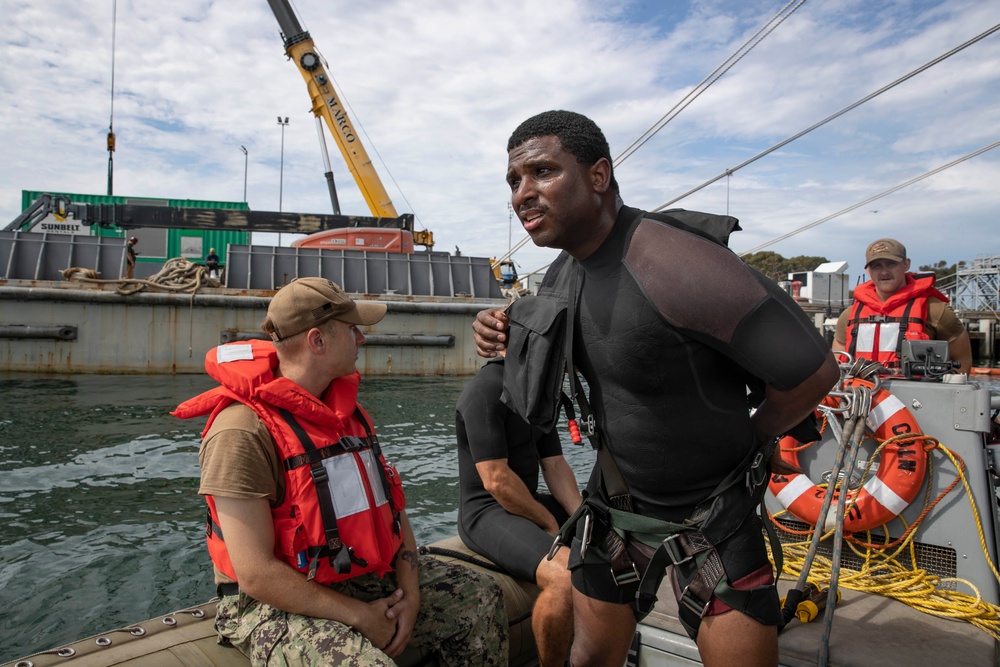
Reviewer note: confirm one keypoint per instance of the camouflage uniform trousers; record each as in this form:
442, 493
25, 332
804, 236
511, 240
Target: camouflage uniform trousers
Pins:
462, 618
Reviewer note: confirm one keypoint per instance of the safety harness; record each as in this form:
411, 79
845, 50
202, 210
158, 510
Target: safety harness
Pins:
639, 548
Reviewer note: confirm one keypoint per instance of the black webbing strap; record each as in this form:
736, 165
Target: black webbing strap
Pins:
903, 326
386, 486
623, 569
772, 537
339, 557
587, 423
692, 553
211, 527
632, 659
348, 443
855, 325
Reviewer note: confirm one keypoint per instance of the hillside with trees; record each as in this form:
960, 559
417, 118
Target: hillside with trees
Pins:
776, 267
941, 270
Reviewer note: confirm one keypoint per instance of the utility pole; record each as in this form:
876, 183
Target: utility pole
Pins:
246, 163
281, 177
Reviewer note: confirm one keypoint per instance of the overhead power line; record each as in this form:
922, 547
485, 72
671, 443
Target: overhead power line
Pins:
716, 74
368, 139
517, 246
695, 92
926, 66
871, 199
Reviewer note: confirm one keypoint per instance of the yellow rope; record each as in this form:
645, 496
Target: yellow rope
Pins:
883, 573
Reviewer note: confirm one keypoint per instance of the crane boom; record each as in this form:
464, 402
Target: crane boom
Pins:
326, 103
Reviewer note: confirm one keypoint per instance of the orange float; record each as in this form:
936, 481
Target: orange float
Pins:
901, 471
981, 371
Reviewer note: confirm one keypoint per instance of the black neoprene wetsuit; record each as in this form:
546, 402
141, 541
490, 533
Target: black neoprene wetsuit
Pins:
671, 329
486, 430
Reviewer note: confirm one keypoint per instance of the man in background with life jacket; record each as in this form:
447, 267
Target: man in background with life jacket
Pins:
669, 328
314, 557
501, 514
896, 305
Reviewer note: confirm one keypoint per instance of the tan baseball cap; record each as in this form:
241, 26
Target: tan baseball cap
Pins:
308, 302
885, 249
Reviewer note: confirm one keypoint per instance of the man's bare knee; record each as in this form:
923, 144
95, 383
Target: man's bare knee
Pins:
554, 574
733, 638
602, 631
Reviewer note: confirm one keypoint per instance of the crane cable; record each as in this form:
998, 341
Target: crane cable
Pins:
356, 119
705, 83
111, 119
727, 64
867, 98
870, 199
368, 139
517, 246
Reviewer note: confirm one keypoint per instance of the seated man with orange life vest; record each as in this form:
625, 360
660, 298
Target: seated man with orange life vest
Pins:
896, 305
314, 557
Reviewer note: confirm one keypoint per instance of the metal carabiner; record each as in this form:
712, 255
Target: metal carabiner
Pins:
588, 527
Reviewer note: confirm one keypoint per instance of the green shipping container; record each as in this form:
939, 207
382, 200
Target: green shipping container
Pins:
156, 244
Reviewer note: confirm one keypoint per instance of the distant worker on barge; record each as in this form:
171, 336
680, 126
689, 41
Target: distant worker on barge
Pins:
896, 305
130, 255
212, 264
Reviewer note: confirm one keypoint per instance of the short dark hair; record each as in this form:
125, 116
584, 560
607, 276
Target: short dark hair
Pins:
578, 135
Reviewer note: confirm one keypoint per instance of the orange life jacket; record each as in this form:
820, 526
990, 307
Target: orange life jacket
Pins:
875, 326
340, 514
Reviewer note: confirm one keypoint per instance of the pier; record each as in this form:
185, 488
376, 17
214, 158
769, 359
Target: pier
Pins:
975, 296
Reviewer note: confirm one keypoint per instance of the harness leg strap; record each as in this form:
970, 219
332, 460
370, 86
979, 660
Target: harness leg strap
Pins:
697, 595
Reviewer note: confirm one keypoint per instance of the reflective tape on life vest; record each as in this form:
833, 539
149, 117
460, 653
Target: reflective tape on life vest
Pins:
901, 471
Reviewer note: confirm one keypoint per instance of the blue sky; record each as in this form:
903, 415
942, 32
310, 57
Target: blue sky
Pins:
439, 85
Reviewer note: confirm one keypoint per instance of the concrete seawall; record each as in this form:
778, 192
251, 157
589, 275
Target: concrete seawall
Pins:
53, 327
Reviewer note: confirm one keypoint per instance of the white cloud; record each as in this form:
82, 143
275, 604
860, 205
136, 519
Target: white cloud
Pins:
439, 85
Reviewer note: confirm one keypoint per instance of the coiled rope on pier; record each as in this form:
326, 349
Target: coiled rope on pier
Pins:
177, 275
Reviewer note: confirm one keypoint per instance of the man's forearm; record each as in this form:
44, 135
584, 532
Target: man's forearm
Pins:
960, 350
406, 564
513, 495
781, 410
277, 584
561, 482
530, 509
248, 528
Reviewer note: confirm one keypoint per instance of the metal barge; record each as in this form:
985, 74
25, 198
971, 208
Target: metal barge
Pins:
60, 326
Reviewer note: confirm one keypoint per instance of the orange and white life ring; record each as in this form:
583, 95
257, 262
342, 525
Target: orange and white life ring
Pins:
901, 472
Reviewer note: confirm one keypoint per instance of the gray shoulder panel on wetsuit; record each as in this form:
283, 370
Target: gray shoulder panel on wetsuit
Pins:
705, 290
706, 280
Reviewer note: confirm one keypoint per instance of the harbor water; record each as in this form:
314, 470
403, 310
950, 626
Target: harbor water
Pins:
101, 524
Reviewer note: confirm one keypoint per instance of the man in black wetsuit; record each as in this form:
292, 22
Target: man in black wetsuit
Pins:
670, 330
502, 516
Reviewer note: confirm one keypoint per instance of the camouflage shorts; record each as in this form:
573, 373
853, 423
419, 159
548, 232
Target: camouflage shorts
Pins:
462, 619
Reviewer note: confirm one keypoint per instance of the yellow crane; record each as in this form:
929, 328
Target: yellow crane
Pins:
327, 104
